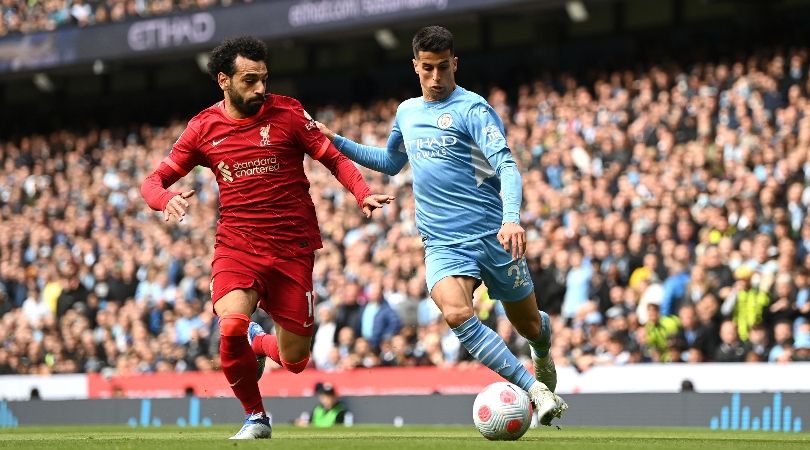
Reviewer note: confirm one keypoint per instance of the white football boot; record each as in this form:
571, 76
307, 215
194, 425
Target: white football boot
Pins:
549, 405
257, 426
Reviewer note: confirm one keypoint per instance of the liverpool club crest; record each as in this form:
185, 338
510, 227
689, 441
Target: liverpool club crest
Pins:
265, 134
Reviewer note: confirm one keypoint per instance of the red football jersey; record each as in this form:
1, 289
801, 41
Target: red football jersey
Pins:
265, 205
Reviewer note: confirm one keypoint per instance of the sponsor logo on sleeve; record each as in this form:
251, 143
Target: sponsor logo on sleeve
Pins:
311, 124
493, 134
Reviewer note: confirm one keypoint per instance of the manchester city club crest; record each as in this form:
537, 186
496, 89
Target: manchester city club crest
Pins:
445, 120
265, 133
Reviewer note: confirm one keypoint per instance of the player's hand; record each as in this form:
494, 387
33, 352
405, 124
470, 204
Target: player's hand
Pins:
177, 206
325, 131
513, 238
375, 201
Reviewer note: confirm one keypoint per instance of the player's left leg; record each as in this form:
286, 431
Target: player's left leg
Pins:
509, 280
535, 326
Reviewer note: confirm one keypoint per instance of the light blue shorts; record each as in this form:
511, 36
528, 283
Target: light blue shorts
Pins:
484, 259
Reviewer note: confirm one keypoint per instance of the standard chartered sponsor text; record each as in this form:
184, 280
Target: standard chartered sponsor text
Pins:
312, 12
256, 166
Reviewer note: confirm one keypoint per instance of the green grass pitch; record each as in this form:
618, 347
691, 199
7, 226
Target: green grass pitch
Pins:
390, 438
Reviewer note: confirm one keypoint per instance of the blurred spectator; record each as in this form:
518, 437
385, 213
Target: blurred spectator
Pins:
659, 330
325, 337
783, 343
746, 302
378, 320
329, 411
801, 347
731, 348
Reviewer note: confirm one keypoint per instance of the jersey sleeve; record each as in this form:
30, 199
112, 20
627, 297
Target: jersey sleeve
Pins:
389, 160
320, 148
185, 154
306, 132
487, 132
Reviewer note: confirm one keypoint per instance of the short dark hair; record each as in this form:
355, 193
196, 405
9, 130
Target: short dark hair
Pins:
433, 39
224, 55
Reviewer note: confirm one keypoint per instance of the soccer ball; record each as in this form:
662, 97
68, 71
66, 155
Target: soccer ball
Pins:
502, 412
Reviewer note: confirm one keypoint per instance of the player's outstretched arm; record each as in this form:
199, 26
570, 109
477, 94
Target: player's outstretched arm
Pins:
352, 180
386, 160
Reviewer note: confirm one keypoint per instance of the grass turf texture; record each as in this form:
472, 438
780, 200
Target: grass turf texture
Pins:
407, 437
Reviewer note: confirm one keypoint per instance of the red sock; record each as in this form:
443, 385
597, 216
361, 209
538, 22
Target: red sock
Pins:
296, 367
267, 345
239, 361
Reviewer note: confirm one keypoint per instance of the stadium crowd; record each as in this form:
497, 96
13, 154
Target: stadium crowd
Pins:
666, 211
26, 16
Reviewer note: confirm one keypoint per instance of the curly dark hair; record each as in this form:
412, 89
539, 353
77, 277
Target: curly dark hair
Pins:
432, 39
224, 55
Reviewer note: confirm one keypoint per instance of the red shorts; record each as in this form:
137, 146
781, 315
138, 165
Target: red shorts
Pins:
284, 285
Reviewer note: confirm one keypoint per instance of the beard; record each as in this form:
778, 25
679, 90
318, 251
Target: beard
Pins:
244, 106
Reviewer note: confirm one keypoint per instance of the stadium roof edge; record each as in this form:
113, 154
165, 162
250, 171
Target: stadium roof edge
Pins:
200, 30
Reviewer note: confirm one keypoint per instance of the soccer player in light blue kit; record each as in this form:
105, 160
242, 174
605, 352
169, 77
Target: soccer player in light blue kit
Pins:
462, 167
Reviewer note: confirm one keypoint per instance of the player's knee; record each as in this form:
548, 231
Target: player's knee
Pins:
457, 316
234, 324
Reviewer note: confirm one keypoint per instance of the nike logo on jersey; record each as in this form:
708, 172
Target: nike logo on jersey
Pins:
217, 142
235, 382
307, 325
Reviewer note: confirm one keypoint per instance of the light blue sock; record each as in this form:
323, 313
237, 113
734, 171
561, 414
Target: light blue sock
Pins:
543, 342
486, 346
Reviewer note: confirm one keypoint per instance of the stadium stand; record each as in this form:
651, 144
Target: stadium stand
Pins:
18, 16
666, 209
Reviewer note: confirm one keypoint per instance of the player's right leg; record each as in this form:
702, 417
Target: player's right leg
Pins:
235, 291
292, 307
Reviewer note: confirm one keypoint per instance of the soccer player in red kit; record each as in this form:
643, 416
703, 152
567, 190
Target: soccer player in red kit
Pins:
267, 233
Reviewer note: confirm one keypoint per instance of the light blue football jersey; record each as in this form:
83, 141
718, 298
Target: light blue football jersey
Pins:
456, 148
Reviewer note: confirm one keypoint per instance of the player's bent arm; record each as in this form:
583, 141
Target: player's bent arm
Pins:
345, 172
386, 160
154, 187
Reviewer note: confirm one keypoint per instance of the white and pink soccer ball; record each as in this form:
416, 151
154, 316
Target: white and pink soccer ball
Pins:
502, 412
